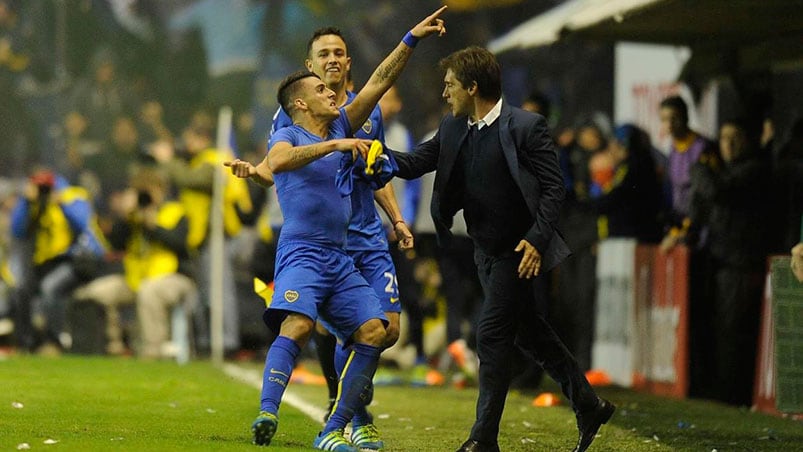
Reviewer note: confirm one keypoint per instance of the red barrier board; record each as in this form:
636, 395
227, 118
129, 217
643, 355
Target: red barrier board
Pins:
661, 305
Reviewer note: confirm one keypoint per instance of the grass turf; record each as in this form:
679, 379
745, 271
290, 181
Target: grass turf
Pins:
89, 404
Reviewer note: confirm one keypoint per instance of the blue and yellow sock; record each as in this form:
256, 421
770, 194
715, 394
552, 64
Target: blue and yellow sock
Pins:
356, 386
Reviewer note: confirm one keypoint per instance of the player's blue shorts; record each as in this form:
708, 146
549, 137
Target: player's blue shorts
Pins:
313, 280
376, 266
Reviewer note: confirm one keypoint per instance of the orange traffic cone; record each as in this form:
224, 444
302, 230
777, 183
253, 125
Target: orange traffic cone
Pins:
546, 399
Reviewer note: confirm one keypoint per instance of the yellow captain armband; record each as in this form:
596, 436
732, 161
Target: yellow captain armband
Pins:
373, 153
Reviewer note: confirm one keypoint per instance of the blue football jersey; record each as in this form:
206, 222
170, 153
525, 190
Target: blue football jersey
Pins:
365, 231
313, 208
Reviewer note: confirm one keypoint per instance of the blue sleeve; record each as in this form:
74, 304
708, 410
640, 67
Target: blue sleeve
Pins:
283, 134
78, 214
280, 120
19, 218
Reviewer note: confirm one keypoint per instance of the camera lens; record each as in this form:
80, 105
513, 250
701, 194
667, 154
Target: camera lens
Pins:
144, 199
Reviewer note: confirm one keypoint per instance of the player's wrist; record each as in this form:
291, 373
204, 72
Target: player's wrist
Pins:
410, 40
397, 223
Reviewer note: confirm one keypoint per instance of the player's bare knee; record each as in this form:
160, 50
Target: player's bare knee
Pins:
371, 332
392, 331
320, 329
297, 327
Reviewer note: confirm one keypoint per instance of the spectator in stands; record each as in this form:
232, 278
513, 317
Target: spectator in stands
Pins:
628, 199
152, 231
18, 129
537, 102
151, 123
109, 170
95, 102
576, 275
685, 150
58, 221
736, 186
192, 173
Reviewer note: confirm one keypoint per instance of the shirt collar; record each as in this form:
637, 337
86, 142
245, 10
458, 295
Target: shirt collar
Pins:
489, 118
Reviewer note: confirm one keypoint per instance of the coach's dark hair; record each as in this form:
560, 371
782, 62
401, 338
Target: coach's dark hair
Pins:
323, 32
678, 104
476, 64
288, 88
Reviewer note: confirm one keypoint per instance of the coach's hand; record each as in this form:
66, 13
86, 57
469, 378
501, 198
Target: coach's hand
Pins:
530, 263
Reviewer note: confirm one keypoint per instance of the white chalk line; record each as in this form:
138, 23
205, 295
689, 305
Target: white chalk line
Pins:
253, 378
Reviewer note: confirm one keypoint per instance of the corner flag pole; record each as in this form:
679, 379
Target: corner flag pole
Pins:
217, 252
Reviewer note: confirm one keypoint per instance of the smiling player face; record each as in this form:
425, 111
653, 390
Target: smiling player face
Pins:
329, 59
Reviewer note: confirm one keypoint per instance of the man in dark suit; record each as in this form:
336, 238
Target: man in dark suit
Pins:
498, 164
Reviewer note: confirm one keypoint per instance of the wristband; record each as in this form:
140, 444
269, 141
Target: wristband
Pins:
410, 40
397, 222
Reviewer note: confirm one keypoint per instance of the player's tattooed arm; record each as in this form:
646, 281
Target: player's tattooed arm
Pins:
260, 173
388, 71
285, 157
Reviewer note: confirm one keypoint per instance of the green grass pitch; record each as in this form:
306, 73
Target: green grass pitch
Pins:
99, 404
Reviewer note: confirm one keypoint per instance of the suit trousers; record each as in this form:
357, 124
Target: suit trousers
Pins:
510, 317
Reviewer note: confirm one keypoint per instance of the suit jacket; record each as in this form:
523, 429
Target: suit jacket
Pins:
531, 158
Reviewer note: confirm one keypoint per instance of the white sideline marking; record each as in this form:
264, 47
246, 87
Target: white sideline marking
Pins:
254, 378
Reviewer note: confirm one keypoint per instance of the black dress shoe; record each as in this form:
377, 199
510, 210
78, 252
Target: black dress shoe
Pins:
588, 423
475, 446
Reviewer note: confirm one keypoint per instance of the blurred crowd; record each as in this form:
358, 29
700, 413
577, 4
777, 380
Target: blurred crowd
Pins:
108, 167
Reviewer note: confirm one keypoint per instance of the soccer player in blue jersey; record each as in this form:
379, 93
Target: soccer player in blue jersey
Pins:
366, 242
314, 275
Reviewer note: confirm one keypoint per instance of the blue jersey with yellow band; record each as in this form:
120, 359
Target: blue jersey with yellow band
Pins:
365, 231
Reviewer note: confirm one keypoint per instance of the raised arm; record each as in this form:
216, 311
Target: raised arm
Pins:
388, 71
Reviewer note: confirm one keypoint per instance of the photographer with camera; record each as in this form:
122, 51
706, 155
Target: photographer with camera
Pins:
56, 220
151, 230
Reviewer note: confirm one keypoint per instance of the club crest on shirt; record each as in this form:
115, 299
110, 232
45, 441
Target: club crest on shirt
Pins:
290, 295
368, 126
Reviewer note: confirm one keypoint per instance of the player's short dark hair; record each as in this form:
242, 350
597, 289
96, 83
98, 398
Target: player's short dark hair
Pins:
678, 104
324, 32
476, 64
288, 88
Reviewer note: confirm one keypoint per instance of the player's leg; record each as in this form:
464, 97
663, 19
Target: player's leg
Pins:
294, 332
378, 270
302, 284
353, 312
325, 348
